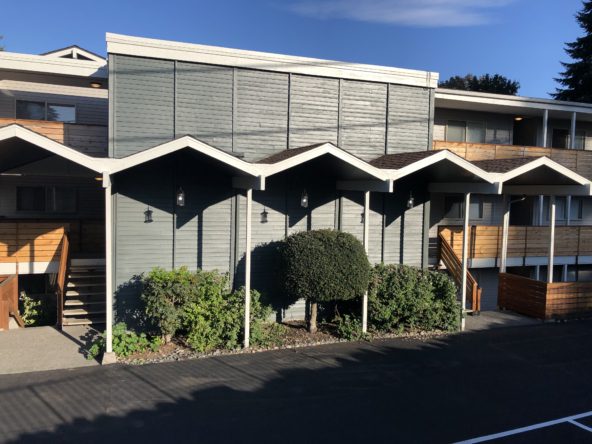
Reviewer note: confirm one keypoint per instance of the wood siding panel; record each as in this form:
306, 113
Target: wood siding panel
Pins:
408, 119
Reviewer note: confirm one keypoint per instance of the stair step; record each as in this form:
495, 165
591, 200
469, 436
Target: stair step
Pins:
83, 311
80, 302
86, 276
84, 293
84, 284
83, 321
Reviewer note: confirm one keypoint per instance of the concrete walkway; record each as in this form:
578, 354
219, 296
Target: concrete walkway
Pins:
495, 319
44, 348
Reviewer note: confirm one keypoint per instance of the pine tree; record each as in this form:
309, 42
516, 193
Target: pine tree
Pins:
577, 77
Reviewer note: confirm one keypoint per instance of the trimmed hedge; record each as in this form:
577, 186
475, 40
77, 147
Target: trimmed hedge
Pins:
402, 297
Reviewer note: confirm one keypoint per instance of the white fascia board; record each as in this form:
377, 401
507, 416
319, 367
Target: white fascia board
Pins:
326, 148
464, 187
75, 50
214, 55
508, 101
549, 190
92, 163
438, 157
53, 65
179, 144
543, 161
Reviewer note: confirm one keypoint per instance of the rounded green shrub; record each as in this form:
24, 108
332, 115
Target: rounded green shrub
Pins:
403, 297
323, 266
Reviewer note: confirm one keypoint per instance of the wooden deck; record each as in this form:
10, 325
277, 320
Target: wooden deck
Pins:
542, 300
90, 139
485, 241
576, 160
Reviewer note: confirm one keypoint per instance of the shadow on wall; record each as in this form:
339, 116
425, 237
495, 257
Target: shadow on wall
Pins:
129, 307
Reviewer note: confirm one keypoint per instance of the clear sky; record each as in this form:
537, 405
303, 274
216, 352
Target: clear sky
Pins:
522, 39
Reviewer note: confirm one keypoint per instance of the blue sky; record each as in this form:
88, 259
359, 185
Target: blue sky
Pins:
522, 39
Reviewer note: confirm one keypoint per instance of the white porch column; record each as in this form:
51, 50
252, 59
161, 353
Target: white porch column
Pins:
108, 357
248, 269
545, 127
465, 257
505, 229
551, 238
572, 133
365, 240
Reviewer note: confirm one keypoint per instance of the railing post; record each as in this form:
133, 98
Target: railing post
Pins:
247, 321
545, 126
572, 132
465, 259
366, 239
505, 228
108, 357
551, 239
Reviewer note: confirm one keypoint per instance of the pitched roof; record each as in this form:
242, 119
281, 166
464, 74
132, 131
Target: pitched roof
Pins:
502, 165
286, 154
400, 160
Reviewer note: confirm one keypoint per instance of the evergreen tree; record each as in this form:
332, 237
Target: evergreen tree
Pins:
496, 84
576, 80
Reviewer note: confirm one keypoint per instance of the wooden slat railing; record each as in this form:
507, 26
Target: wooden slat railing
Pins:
9, 301
485, 241
576, 160
453, 264
61, 278
543, 300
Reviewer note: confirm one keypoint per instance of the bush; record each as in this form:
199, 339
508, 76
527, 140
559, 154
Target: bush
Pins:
29, 309
349, 328
405, 297
125, 342
323, 266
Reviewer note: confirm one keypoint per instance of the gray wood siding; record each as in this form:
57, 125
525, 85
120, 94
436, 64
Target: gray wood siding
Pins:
363, 118
408, 119
143, 103
314, 109
261, 122
204, 103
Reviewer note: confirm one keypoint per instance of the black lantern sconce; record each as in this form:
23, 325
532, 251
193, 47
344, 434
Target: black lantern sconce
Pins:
410, 201
264, 216
362, 218
304, 200
180, 197
148, 216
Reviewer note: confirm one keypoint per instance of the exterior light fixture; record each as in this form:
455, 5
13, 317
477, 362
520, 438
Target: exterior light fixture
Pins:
95, 84
148, 215
264, 216
410, 201
518, 118
362, 218
180, 197
304, 200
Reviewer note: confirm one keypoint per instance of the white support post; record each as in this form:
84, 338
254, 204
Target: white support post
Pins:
551, 239
505, 229
572, 132
366, 239
541, 206
567, 214
465, 258
248, 269
108, 357
545, 127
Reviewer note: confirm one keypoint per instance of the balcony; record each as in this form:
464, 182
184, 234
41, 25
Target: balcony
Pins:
485, 242
576, 160
89, 139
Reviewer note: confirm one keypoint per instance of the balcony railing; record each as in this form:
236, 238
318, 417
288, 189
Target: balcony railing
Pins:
89, 139
576, 160
485, 241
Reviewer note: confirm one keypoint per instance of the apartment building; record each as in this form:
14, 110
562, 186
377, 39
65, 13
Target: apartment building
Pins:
172, 154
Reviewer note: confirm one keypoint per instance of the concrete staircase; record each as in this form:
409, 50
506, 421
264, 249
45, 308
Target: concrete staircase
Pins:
84, 299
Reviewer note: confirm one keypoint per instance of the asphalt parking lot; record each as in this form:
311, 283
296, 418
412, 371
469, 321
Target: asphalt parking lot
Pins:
488, 386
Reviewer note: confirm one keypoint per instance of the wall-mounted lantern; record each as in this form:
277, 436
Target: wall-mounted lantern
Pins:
264, 216
180, 197
410, 201
304, 200
362, 218
148, 215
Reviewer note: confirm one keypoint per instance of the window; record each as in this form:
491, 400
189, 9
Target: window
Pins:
50, 199
576, 209
461, 131
454, 207
502, 136
45, 111
562, 139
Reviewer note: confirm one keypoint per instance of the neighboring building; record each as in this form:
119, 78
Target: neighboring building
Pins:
210, 154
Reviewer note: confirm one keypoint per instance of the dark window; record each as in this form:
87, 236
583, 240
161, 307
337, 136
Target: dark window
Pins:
454, 207
61, 113
61, 199
30, 198
30, 110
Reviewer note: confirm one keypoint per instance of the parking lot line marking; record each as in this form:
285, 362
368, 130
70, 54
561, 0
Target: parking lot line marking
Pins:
580, 425
529, 428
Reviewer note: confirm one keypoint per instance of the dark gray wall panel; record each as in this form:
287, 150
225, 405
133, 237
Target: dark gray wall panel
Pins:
363, 118
204, 103
409, 119
143, 96
314, 107
261, 115
413, 236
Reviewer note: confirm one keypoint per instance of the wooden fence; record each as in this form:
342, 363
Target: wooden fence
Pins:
9, 301
543, 300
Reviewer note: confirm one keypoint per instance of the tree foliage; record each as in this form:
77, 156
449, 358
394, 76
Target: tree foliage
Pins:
496, 84
576, 79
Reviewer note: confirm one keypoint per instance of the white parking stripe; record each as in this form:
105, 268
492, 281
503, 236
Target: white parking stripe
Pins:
580, 425
570, 419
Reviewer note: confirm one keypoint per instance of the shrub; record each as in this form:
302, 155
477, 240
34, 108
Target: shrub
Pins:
125, 342
349, 328
405, 297
30, 309
323, 266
